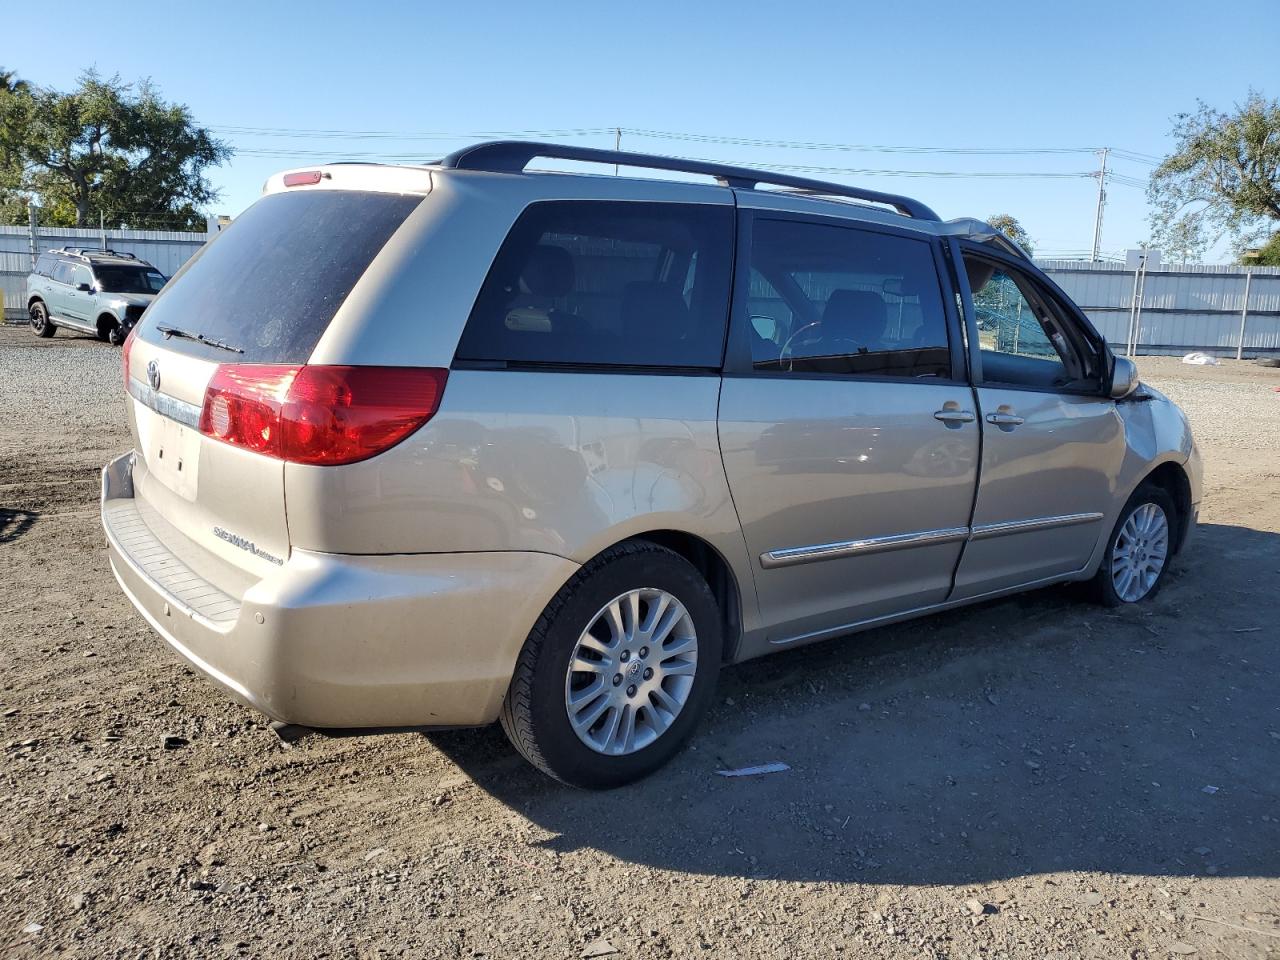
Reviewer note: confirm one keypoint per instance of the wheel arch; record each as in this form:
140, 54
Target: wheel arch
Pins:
106, 320
33, 300
1172, 477
715, 569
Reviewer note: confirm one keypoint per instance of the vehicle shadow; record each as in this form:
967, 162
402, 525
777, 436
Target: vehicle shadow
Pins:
14, 523
1029, 735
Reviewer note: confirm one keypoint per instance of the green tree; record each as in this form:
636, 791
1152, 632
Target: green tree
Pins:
1011, 228
109, 149
1223, 178
13, 202
1267, 255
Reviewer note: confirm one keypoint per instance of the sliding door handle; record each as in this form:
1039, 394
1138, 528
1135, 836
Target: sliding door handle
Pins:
1005, 419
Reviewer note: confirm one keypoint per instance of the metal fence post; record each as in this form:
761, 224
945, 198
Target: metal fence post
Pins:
1244, 315
34, 228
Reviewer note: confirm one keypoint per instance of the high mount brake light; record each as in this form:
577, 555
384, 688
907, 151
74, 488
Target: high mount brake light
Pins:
302, 179
322, 415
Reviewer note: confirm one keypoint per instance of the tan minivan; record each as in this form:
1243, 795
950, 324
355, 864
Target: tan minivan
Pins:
439, 445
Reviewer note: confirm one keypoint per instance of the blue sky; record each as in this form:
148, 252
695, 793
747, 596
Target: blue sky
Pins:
990, 75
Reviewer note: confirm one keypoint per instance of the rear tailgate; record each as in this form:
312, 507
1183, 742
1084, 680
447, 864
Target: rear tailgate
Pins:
262, 293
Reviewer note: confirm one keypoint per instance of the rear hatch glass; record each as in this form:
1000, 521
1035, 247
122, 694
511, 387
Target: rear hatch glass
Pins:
272, 281
268, 286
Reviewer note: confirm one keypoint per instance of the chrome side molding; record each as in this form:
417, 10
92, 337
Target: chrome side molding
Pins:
898, 541
985, 531
848, 548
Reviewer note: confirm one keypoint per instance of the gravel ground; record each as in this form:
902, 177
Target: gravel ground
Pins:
1025, 778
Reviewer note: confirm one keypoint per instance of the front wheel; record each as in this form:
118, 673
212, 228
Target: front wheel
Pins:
618, 669
1140, 549
41, 325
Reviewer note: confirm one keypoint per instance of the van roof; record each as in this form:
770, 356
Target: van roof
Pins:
512, 158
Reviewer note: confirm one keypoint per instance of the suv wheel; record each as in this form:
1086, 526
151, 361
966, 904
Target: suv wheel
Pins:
40, 321
1139, 550
618, 669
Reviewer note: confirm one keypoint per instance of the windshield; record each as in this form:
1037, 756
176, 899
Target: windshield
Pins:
269, 284
127, 279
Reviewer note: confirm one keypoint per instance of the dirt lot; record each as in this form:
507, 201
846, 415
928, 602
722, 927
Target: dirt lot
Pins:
1029, 778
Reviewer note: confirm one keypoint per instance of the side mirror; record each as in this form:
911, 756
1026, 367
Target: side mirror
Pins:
83, 287
1124, 378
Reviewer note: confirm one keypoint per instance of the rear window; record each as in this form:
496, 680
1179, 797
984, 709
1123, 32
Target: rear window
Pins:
271, 282
606, 283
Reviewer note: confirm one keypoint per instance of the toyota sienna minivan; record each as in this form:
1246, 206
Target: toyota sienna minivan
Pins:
432, 446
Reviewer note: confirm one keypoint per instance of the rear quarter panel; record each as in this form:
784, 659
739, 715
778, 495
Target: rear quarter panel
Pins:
551, 462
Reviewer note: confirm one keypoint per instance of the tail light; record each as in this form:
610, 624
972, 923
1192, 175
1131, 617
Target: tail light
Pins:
316, 414
125, 350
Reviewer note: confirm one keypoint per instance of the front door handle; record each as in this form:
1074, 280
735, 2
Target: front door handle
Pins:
1005, 419
948, 415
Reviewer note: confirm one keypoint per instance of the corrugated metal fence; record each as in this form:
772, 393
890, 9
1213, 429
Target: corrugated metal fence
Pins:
165, 250
1181, 308
1177, 309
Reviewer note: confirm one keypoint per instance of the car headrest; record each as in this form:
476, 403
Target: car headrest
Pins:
857, 315
651, 308
548, 272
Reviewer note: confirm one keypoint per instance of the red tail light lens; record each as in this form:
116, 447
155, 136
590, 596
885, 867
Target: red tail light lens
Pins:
124, 356
319, 415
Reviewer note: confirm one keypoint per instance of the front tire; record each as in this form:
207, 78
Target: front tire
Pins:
41, 325
1139, 550
618, 669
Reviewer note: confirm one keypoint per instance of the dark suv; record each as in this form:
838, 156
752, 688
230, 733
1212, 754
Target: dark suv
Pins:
95, 291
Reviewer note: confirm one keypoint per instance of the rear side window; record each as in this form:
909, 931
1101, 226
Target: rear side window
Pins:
62, 271
44, 265
840, 300
607, 283
271, 282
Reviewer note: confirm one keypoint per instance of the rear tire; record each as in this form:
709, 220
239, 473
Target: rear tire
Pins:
41, 325
1139, 550
645, 626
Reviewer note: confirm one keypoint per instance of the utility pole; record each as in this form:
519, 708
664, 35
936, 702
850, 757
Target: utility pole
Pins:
1102, 199
102, 228
33, 227
617, 145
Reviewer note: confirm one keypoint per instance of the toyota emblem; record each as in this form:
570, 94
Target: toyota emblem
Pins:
153, 375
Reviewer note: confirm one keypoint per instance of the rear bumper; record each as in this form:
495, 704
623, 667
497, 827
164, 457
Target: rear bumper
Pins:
341, 641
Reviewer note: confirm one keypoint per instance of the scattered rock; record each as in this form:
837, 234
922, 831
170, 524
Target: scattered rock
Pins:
599, 948
32, 928
202, 885
1209, 789
1092, 898
13, 712
977, 907
79, 901
172, 741
1182, 949
1033, 764
374, 853
864, 707
1202, 851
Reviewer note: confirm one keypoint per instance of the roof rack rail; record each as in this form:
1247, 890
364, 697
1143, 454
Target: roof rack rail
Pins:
85, 253
512, 156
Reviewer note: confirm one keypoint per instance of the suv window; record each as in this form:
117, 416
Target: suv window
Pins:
607, 283
842, 300
62, 271
1025, 337
80, 274
270, 283
116, 278
45, 265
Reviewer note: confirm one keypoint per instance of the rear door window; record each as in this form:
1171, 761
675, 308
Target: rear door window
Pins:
62, 271
604, 283
272, 281
841, 300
